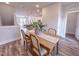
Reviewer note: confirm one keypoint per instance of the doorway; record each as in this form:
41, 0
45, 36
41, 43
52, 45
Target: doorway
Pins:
72, 23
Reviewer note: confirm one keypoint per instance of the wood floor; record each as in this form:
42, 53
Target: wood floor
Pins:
12, 49
67, 47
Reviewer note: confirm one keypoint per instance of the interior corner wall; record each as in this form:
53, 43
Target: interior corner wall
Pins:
50, 16
53, 17
60, 29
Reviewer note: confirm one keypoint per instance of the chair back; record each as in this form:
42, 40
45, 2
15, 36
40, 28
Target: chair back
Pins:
26, 39
35, 44
24, 35
52, 31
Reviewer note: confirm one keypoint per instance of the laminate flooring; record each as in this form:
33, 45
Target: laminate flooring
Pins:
68, 46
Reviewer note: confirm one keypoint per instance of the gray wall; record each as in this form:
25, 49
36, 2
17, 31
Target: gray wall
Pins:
7, 15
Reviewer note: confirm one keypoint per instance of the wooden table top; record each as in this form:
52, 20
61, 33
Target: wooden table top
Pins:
49, 38
46, 40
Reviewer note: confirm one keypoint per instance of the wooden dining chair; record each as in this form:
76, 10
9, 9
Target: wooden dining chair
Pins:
52, 31
27, 40
38, 49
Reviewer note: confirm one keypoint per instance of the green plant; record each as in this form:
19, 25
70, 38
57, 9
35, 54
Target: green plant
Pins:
37, 25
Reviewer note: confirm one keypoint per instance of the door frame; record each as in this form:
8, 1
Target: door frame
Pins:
66, 16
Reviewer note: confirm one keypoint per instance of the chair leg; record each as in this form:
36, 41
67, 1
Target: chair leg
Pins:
57, 48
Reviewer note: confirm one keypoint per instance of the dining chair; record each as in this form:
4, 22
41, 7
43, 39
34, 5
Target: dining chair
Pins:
27, 41
52, 31
37, 49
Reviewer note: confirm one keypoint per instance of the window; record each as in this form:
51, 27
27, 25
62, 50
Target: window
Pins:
26, 20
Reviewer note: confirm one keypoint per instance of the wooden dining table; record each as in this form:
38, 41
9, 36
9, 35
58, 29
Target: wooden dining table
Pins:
47, 40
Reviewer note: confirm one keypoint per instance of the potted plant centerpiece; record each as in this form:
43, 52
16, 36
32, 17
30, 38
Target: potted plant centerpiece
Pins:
37, 26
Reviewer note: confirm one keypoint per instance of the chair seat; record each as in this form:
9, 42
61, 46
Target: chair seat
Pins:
43, 51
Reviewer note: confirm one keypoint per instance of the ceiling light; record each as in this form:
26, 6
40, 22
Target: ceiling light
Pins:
7, 2
38, 10
37, 6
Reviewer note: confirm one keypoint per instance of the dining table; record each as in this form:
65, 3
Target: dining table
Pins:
47, 40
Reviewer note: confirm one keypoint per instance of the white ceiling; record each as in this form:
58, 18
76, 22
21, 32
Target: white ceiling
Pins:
29, 7
69, 3
30, 4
